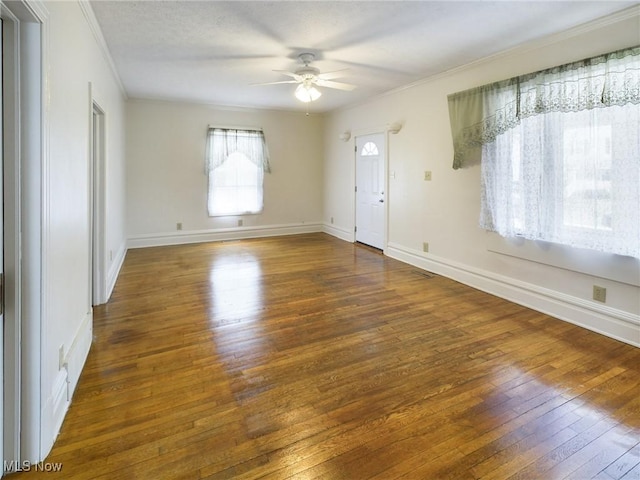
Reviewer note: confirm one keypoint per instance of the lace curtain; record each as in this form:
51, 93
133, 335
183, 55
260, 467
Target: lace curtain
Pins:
560, 153
569, 178
221, 142
479, 115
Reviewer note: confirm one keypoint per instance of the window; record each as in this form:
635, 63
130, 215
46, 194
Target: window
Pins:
560, 154
236, 161
570, 178
369, 149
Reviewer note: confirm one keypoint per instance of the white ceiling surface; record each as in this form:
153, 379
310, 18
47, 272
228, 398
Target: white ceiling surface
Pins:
212, 51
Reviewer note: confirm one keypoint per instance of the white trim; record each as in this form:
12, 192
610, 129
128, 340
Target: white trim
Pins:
60, 399
12, 341
78, 351
614, 323
45, 248
94, 26
618, 268
34, 165
114, 270
338, 232
200, 236
226, 107
58, 402
602, 22
96, 202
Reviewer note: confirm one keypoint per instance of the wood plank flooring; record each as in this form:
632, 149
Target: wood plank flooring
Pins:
307, 357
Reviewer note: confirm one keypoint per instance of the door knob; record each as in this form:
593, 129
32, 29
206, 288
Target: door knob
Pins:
381, 201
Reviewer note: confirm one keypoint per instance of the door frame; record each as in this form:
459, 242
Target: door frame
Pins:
25, 197
384, 131
97, 257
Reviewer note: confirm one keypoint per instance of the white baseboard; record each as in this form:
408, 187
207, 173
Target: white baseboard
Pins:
239, 233
78, 351
114, 270
59, 399
340, 233
614, 323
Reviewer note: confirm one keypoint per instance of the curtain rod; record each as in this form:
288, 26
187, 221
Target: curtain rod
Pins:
235, 127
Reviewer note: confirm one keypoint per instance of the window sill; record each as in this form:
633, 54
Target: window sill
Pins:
604, 265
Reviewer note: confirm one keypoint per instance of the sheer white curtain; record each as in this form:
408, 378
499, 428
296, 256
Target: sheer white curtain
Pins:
236, 161
570, 178
560, 152
222, 142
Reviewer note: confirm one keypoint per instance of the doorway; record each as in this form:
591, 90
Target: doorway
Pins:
370, 190
96, 207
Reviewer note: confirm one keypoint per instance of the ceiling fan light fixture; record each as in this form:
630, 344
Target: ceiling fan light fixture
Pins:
307, 93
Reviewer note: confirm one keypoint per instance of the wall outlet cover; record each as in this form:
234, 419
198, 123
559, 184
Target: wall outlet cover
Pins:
599, 294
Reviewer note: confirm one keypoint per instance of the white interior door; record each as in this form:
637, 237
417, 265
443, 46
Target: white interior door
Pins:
370, 194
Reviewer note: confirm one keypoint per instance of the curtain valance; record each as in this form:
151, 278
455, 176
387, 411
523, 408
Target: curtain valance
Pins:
221, 142
480, 114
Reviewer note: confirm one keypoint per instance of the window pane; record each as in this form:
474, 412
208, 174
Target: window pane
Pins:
587, 173
570, 178
235, 187
369, 149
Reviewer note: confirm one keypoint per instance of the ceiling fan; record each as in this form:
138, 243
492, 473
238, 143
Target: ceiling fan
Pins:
309, 77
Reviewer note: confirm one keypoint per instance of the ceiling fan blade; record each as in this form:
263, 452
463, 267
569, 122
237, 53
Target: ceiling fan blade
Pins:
273, 83
332, 75
337, 85
289, 74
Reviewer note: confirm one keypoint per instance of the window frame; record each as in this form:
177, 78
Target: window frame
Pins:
236, 145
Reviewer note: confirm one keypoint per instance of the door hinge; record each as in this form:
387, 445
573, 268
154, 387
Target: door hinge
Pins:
355, 229
356, 188
355, 148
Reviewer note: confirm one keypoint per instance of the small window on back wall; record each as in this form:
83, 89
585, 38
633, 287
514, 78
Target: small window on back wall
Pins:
236, 161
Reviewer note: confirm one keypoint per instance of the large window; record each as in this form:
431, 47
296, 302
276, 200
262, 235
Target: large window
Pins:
236, 161
560, 153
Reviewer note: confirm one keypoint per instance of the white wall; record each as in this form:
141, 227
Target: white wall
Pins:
166, 183
74, 60
445, 211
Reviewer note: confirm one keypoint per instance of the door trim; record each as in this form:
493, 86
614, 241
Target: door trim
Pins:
97, 274
385, 228
25, 228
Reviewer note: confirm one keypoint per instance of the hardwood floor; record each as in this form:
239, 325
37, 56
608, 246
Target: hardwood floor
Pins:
311, 358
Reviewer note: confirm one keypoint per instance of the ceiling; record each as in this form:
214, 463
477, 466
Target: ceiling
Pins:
213, 51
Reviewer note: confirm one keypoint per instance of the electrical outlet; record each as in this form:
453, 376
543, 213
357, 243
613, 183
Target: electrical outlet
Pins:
425, 246
179, 226
427, 176
240, 222
599, 294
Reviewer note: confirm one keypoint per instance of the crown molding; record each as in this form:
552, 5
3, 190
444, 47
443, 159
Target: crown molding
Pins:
94, 26
221, 106
37, 8
626, 14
